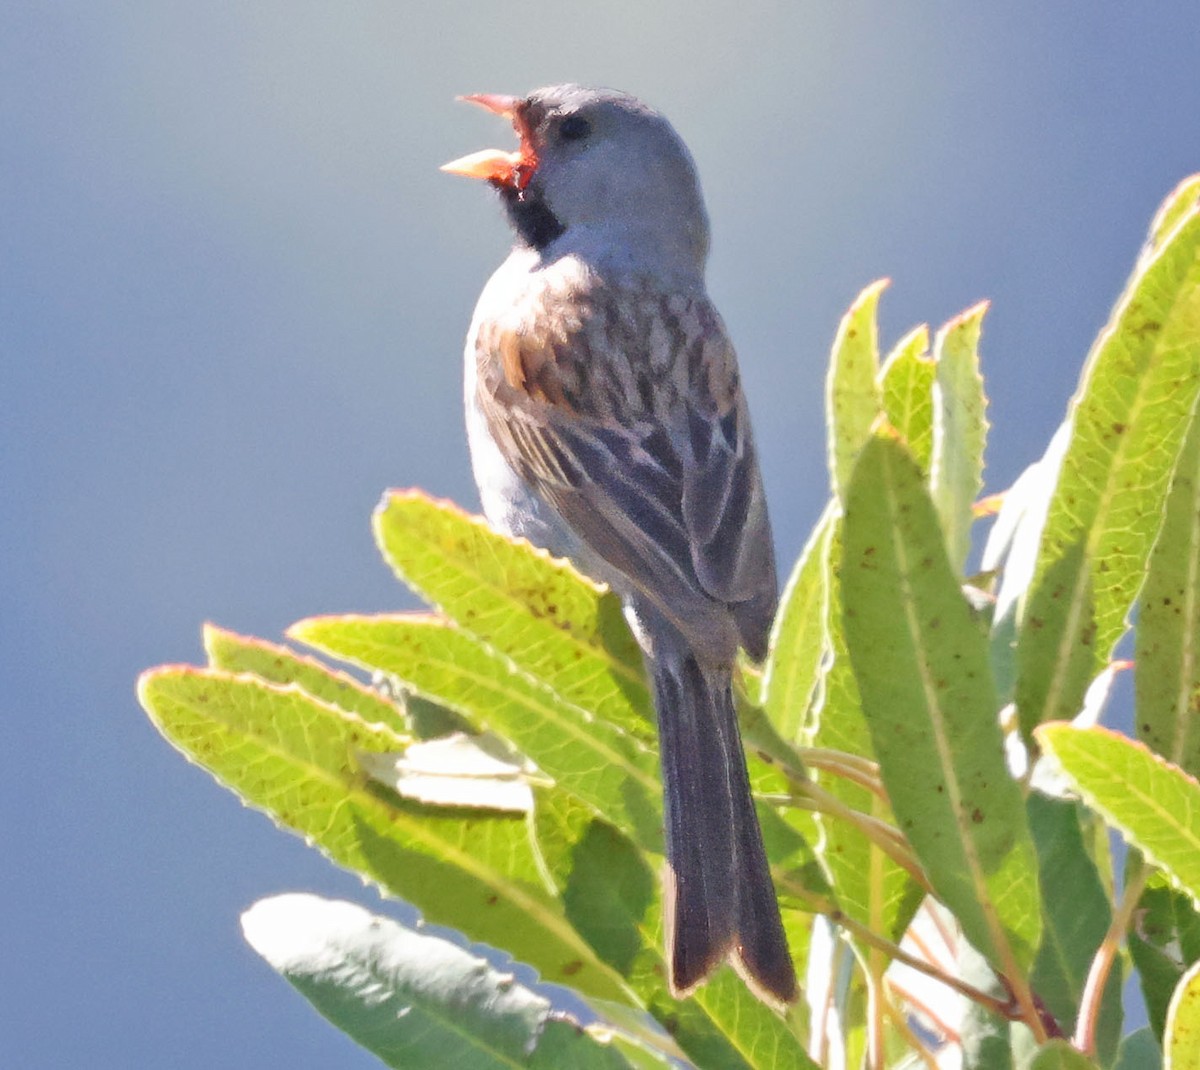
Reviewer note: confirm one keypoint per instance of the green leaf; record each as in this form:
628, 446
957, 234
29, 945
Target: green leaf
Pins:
1154, 804
1181, 200
1012, 548
871, 888
1073, 925
612, 772
278, 665
639, 1055
799, 639
922, 665
414, 999
1068, 667
1181, 1042
1059, 1055
853, 399
1139, 1051
907, 383
610, 897
1128, 420
1163, 941
1168, 633
852, 1016
763, 1039
287, 753
553, 623
959, 429
609, 891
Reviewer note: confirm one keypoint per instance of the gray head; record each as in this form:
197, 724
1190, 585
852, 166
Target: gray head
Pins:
598, 175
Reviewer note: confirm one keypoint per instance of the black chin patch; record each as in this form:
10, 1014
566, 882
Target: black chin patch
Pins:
530, 216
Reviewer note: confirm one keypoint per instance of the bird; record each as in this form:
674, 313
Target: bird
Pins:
607, 424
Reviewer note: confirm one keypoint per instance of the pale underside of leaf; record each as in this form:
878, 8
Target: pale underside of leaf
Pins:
411, 998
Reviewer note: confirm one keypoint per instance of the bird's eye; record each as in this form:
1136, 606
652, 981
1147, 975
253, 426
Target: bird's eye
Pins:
574, 128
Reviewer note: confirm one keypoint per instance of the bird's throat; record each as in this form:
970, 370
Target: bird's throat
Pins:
536, 225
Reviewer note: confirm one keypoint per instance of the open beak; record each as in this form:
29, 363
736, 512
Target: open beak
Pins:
513, 169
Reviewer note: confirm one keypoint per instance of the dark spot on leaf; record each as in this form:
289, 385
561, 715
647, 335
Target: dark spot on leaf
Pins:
1118, 429
572, 968
492, 900
977, 816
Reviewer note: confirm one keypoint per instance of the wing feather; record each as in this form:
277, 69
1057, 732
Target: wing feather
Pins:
648, 456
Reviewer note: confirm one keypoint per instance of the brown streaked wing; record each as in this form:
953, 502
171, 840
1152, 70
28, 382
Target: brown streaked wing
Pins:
652, 464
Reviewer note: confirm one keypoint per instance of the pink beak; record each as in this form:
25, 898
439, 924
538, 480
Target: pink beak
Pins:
497, 103
495, 165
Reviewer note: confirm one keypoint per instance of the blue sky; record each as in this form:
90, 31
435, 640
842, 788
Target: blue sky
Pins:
233, 291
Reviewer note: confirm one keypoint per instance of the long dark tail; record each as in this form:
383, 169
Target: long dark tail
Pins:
720, 900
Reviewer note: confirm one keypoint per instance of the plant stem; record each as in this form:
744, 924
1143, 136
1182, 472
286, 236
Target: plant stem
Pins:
881, 834
1002, 1008
1018, 985
1106, 954
877, 962
876, 1000
852, 767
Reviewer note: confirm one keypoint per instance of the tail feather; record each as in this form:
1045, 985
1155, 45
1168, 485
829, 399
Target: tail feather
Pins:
720, 900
